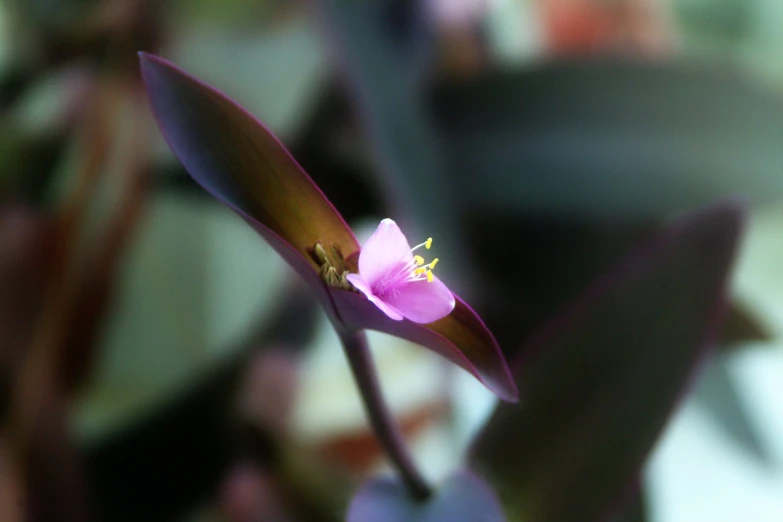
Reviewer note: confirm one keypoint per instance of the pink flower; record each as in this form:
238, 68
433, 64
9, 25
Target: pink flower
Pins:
399, 282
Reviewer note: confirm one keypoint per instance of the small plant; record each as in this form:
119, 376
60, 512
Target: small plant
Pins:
597, 383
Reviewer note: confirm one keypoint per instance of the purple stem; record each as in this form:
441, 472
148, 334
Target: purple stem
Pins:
360, 359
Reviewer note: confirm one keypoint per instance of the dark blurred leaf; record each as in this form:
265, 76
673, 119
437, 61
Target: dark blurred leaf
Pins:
26, 249
741, 326
397, 43
242, 164
31, 405
463, 497
55, 485
551, 259
385, 83
158, 468
92, 279
718, 393
598, 384
331, 150
532, 266
635, 510
26, 163
617, 138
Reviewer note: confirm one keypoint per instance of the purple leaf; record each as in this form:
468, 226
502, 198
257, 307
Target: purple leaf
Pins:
600, 382
241, 163
463, 497
460, 337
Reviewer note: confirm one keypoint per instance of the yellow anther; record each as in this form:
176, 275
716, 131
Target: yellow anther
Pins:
419, 271
418, 260
429, 276
433, 263
428, 243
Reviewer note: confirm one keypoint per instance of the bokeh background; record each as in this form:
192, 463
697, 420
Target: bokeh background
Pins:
178, 368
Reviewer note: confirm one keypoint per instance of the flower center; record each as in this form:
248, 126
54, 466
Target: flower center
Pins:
406, 272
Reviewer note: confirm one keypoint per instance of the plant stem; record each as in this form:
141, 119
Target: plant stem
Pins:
360, 359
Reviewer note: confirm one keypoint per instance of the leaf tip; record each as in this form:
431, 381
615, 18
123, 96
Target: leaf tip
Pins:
149, 61
507, 392
145, 58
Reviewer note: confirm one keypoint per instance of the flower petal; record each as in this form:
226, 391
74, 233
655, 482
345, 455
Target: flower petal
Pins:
386, 249
361, 285
423, 302
386, 308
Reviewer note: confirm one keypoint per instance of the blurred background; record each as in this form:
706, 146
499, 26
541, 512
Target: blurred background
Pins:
158, 361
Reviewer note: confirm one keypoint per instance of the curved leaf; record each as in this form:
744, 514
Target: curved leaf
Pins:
241, 163
463, 497
460, 337
600, 382
610, 137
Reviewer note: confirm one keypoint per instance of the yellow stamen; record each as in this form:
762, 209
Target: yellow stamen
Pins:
422, 270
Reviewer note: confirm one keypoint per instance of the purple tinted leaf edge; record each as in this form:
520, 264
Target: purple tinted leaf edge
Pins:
603, 283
